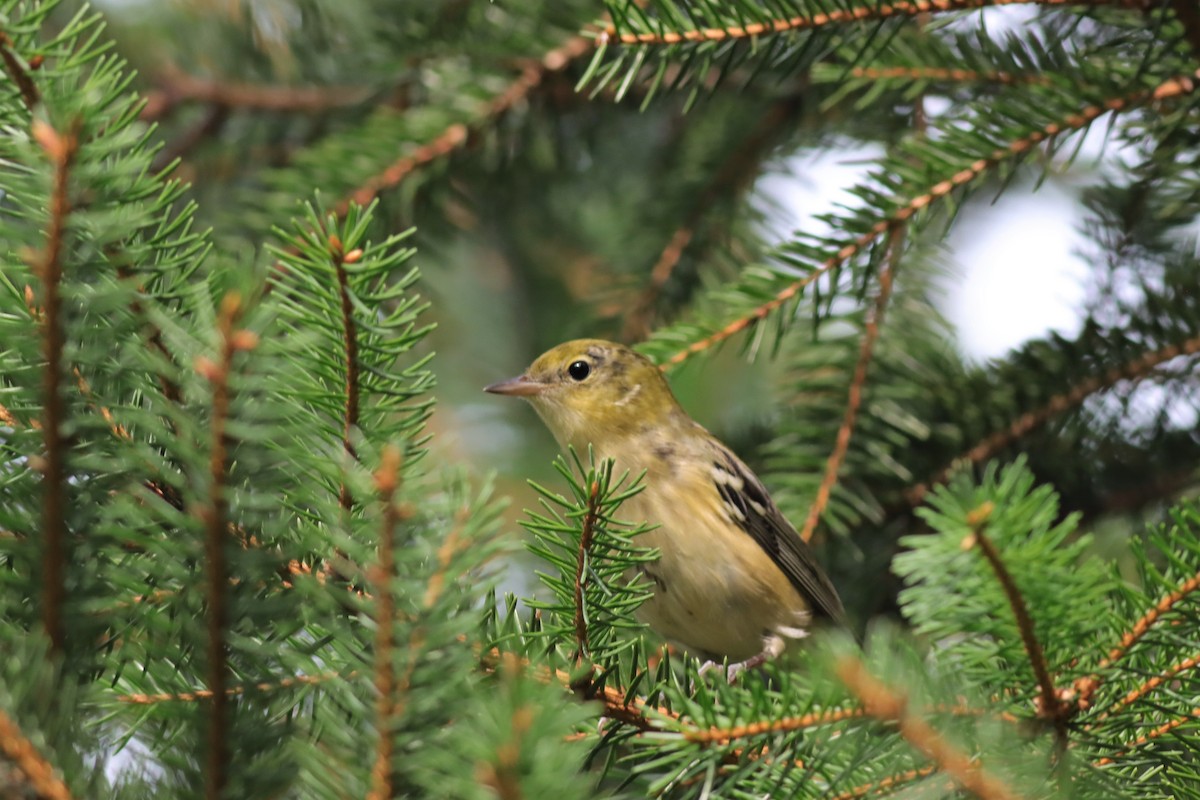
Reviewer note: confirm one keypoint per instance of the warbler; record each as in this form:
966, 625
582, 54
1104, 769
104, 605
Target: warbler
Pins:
734, 579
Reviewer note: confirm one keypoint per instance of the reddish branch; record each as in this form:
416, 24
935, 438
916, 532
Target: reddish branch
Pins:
48, 267
734, 174
1086, 687
1161, 730
387, 479
887, 784
503, 774
587, 531
1152, 684
176, 87
773, 726
350, 339
14, 67
204, 694
1050, 706
458, 134
21, 752
1133, 370
214, 515
1075, 121
943, 74
833, 464
799, 23
884, 704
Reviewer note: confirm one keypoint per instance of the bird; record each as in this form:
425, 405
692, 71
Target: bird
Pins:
734, 583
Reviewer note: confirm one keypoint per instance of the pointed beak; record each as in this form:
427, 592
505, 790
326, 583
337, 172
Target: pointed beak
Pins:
520, 386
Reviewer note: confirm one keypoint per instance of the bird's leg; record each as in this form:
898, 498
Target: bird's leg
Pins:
773, 645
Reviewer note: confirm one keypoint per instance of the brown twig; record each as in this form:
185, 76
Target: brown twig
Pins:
1151, 684
587, 530
60, 149
38, 771
208, 126
214, 516
1161, 730
350, 340
884, 704
729, 178
1050, 704
1086, 687
715, 735
886, 784
1168, 89
204, 694
176, 87
858, 14
1134, 370
833, 464
387, 480
14, 67
458, 134
943, 74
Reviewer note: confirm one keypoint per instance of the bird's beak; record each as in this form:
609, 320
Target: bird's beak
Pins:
520, 386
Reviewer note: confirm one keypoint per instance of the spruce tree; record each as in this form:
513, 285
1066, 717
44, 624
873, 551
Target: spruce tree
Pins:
232, 564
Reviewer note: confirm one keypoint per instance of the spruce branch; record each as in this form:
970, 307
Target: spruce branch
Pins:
1161, 730
661, 35
886, 785
941, 74
215, 518
208, 126
262, 687
459, 134
733, 174
387, 480
586, 532
38, 771
175, 87
1050, 705
854, 397
350, 339
785, 725
1152, 683
886, 705
19, 73
1134, 370
60, 149
903, 210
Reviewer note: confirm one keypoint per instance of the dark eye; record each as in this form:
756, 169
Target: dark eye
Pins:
579, 370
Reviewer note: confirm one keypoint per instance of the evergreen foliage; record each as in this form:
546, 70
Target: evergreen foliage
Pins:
233, 564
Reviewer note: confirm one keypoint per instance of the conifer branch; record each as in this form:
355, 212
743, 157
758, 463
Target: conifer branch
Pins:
886, 785
1086, 687
48, 267
137, 699
350, 340
610, 35
1161, 730
945, 74
787, 724
736, 171
458, 134
1014, 149
1050, 706
207, 127
841, 445
387, 480
503, 774
22, 753
884, 704
587, 530
1151, 684
21, 78
214, 515
176, 87
1133, 370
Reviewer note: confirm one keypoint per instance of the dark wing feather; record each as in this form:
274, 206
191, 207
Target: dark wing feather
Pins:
761, 518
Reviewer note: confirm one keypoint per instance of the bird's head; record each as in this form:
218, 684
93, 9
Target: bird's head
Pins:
593, 391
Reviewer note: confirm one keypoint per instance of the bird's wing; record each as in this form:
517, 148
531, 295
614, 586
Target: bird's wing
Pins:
752, 508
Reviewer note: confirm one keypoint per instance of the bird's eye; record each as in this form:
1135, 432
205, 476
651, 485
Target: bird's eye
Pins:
579, 370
